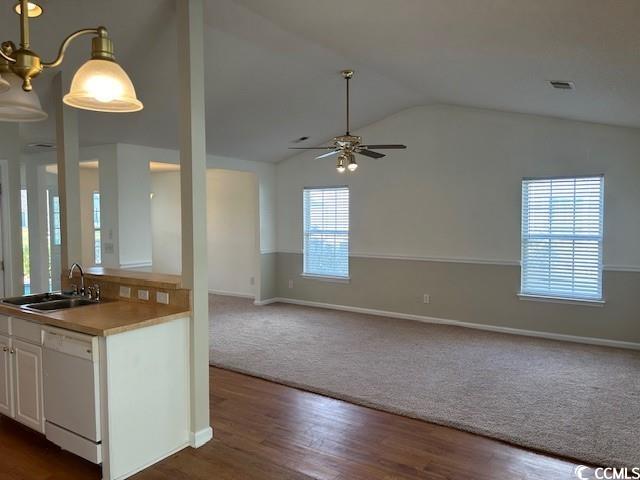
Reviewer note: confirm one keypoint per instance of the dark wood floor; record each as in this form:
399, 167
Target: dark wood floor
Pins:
268, 431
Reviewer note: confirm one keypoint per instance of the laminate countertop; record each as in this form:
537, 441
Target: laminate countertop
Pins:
109, 317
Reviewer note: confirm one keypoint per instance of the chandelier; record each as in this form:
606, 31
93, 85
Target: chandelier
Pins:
99, 85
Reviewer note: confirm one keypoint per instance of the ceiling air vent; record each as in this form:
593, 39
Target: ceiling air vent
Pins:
562, 85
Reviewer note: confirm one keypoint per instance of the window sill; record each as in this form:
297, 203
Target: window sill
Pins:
569, 301
326, 278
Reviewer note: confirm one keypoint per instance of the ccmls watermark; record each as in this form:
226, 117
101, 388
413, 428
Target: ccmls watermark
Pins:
607, 473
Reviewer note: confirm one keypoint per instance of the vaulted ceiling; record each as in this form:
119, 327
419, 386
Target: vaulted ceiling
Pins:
272, 65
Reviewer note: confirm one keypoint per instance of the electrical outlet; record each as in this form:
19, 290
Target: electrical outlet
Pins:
290, 283
125, 291
426, 298
143, 294
162, 297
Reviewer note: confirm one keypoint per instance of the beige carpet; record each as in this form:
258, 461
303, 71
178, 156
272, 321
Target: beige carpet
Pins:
568, 399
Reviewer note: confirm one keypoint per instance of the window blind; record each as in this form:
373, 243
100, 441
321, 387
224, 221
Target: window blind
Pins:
326, 231
562, 231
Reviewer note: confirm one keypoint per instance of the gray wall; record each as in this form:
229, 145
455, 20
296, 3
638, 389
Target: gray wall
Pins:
268, 287
447, 209
478, 293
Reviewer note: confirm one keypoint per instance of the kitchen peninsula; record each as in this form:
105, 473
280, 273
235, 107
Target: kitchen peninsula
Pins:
108, 381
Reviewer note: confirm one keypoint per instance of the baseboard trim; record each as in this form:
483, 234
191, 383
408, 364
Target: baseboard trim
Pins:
443, 321
268, 301
232, 294
199, 438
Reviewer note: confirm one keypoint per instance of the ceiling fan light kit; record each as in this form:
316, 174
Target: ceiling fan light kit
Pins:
347, 145
99, 85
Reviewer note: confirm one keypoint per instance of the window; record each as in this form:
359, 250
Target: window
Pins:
326, 231
26, 263
57, 238
96, 228
562, 237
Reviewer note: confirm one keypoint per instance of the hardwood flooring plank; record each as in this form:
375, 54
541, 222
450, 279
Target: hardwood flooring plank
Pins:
266, 431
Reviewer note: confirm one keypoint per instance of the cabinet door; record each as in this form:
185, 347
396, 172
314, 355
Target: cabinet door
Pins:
6, 377
27, 361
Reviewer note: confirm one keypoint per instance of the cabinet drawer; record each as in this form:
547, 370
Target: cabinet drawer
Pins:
5, 325
27, 331
74, 443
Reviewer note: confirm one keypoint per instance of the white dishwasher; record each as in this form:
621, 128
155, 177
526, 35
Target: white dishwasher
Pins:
72, 392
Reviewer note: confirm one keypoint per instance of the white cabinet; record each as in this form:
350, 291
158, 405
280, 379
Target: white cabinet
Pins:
21, 373
27, 360
6, 377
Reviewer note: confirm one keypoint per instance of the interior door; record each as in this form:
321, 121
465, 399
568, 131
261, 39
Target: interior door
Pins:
6, 377
27, 361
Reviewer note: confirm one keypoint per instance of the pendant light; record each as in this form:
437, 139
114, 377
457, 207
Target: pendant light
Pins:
100, 84
33, 9
16, 105
4, 85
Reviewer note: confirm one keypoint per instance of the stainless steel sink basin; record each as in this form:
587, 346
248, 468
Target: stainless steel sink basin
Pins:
61, 304
34, 299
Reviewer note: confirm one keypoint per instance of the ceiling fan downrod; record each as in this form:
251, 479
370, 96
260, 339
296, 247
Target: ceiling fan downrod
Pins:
347, 75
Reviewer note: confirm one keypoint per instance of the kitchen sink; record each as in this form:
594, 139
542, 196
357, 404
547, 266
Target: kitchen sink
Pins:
34, 299
61, 304
49, 301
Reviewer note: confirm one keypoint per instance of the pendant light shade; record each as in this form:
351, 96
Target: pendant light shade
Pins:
4, 85
33, 9
102, 86
16, 105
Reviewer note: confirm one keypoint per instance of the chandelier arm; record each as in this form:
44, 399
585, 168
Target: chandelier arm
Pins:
7, 57
65, 44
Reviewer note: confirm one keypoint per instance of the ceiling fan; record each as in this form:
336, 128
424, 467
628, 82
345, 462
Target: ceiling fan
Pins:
347, 145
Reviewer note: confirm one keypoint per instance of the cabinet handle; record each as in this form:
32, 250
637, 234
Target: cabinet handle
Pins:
5, 349
12, 351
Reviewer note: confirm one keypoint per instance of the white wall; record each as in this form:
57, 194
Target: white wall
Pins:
455, 192
89, 183
232, 203
265, 172
134, 206
165, 223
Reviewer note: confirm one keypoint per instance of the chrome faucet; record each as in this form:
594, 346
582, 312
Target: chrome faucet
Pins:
73, 267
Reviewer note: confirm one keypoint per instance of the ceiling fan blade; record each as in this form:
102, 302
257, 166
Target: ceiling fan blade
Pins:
382, 147
312, 148
324, 155
369, 153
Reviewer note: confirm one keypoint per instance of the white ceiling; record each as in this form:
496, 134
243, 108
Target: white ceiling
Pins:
272, 65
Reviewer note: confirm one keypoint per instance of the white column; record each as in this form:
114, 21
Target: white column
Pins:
68, 151
37, 263
11, 215
190, 15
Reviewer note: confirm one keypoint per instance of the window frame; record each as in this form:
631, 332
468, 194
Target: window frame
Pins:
97, 248
316, 276
550, 296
